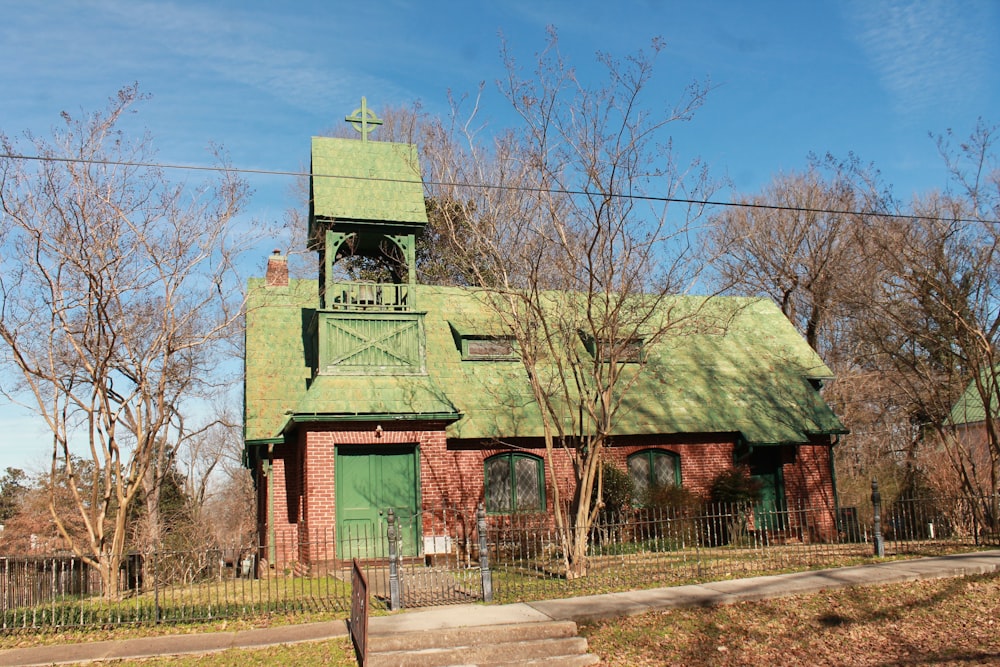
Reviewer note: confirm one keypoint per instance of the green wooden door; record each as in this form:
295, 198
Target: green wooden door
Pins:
370, 480
766, 469
769, 510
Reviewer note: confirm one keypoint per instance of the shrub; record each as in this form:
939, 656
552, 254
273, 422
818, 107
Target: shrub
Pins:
618, 491
672, 500
732, 493
735, 486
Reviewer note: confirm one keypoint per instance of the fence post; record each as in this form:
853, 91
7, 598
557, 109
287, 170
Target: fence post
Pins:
156, 586
394, 603
877, 508
484, 555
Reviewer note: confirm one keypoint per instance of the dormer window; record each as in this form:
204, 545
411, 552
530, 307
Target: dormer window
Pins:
480, 342
623, 351
496, 348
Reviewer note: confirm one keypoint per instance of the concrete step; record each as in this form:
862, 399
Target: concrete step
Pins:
554, 644
471, 636
505, 653
582, 660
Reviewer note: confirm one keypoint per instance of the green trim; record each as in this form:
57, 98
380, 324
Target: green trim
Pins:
427, 416
467, 355
833, 481
636, 343
271, 546
251, 450
305, 418
465, 334
779, 443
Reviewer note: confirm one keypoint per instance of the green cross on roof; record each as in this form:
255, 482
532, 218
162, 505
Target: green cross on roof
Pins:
362, 119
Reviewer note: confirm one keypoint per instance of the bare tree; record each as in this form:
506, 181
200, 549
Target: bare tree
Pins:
811, 242
217, 487
116, 289
577, 266
798, 243
935, 323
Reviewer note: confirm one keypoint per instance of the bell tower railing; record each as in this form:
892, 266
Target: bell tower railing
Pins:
369, 296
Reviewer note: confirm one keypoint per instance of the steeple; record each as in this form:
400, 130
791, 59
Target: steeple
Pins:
366, 201
366, 207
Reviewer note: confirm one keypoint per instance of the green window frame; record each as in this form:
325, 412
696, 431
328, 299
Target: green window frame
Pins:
652, 468
514, 482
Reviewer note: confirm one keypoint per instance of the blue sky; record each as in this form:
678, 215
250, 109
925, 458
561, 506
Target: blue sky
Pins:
872, 77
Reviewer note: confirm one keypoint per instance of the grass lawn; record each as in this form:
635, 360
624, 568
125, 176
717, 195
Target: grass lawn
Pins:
942, 622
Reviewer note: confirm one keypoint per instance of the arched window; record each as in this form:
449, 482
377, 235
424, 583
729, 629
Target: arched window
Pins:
515, 482
653, 468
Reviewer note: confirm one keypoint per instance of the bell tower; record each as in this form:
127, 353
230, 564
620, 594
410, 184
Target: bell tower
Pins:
366, 207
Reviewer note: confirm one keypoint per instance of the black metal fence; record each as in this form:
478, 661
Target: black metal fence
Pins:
358, 622
447, 555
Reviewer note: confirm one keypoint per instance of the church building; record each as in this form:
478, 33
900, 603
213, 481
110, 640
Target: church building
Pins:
362, 396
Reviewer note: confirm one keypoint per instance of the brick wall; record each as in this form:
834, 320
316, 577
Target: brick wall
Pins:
451, 472
456, 471
281, 484
809, 485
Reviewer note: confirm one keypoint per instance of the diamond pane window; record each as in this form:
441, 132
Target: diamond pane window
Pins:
654, 468
514, 483
638, 470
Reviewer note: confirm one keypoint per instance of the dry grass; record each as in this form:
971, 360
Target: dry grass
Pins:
941, 622
332, 653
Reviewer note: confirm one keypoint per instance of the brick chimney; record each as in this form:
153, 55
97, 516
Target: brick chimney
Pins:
277, 270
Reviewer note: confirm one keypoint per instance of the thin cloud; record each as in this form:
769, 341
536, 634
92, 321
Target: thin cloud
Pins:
241, 47
928, 55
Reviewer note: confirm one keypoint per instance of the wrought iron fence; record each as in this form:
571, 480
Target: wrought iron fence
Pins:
450, 555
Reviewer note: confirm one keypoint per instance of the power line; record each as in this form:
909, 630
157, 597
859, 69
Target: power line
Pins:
506, 188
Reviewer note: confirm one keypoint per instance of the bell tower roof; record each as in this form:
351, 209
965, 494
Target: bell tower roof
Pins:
366, 202
362, 181
373, 181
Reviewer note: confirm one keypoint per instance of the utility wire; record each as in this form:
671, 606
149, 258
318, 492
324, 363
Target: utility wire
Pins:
507, 188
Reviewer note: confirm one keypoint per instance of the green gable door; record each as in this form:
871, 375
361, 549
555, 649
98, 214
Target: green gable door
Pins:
766, 470
370, 480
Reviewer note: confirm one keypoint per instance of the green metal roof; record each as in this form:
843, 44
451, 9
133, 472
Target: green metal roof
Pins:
353, 395
969, 409
375, 181
275, 367
750, 376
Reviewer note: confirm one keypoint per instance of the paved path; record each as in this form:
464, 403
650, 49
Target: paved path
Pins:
576, 609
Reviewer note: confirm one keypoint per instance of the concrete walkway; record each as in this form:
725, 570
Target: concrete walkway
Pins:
578, 609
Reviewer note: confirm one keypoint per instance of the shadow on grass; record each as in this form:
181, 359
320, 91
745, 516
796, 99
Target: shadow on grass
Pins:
917, 623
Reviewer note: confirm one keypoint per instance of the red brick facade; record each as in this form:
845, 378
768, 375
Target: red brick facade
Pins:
451, 473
